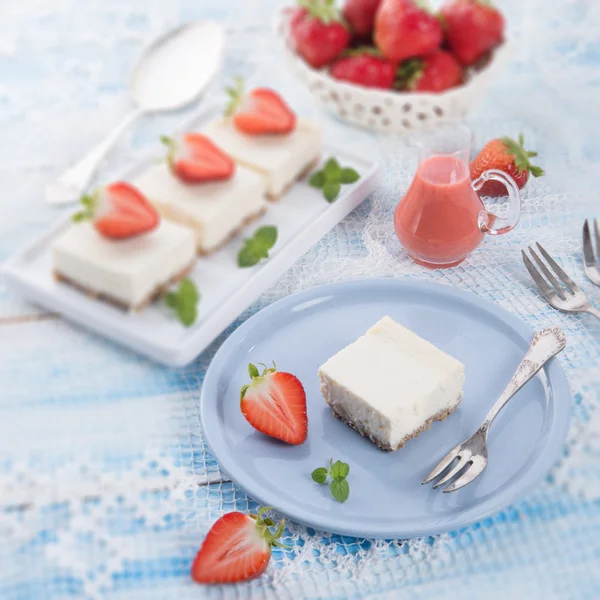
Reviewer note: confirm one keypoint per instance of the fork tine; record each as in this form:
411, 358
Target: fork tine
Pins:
463, 460
597, 232
473, 472
557, 269
443, 464
543, 286
588, 250
557, 286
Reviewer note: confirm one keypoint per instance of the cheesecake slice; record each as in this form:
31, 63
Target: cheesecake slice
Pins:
390, 384
280, 159
130, 272
214, 210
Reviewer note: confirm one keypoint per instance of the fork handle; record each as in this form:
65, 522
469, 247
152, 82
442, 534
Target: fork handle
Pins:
593, 311
545, 345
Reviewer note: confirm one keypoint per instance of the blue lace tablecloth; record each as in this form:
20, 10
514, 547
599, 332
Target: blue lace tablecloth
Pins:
106, 486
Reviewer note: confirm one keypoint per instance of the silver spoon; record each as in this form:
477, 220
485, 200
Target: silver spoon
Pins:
172, 72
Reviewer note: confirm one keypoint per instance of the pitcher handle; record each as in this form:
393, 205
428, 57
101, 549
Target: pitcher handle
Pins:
493, 224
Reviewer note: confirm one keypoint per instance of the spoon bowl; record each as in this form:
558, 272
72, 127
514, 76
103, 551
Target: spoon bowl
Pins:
172, 73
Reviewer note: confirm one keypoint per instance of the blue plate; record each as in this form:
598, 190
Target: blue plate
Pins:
386, 498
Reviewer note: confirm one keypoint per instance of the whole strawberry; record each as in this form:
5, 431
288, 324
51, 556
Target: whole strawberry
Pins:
320, 36
404, 29
504, 154
274, 403
435, 72
360, 14
364, 68
237, 548
472, 28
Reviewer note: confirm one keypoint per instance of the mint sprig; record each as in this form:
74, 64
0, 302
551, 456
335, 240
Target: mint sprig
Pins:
89, 204
184, 301
338, 471
331, 178
257, 247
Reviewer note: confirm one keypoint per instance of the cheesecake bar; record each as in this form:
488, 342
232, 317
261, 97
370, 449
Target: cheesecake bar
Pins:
130, 272
280, 159
390, 384
214, 210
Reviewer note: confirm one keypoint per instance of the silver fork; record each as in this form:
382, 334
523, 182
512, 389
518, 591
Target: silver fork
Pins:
565, 295
592, 269
467, 461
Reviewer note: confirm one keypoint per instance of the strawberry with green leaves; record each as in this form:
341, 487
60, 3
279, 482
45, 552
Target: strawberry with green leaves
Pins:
237, 548
508, 155
436, 72
118, 211
274, 403
194, 158
320, 35
262, 111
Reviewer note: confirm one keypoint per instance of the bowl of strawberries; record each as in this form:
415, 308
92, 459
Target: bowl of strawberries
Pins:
393, 65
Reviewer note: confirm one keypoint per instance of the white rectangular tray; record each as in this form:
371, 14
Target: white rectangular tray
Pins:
302, 217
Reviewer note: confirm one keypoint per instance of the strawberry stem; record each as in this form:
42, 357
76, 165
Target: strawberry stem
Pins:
323, 10
522, 156
89, 203
236, 95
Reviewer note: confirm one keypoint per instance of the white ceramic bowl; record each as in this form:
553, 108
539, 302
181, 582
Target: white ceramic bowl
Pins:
383, 110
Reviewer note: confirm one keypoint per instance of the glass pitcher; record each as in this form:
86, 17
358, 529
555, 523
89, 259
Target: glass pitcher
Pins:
441, 219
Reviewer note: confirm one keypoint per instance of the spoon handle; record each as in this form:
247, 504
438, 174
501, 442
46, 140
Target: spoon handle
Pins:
72, 183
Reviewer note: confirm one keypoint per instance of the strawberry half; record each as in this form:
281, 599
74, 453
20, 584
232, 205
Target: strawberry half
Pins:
435, 72
237, 548
274, 403
262, 111
194, 158
506, 155
118, 211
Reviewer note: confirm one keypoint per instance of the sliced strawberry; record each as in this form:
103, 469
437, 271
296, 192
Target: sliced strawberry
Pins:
262, 111
118, 211
274, 403
237, 548
194, 158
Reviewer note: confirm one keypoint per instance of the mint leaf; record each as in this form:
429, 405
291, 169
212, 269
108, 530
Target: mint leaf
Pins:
257, 247
340, 489
339, 469
319, 475
317, 179
332, 170
349, 175
252, 371
184, 301
267, 236
331, 190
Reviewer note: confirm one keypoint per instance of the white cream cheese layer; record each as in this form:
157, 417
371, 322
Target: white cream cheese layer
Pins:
390, 382
128, 270
214, 210
280, 159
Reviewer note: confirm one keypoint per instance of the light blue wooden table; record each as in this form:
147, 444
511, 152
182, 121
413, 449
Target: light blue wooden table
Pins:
106, 486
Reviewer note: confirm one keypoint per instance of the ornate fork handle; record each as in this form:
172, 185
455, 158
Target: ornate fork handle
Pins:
544, 346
